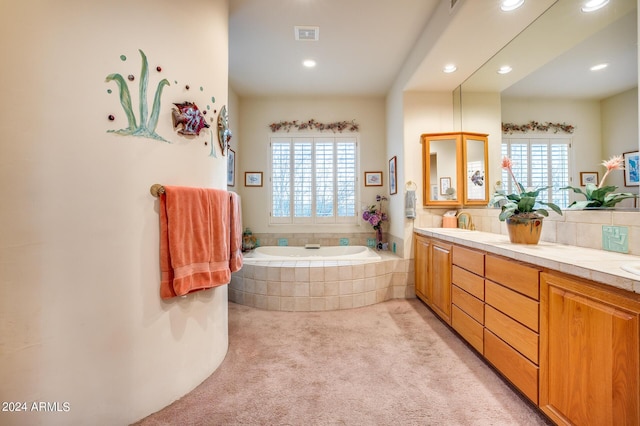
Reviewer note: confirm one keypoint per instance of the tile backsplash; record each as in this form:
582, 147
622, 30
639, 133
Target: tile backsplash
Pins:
582, 228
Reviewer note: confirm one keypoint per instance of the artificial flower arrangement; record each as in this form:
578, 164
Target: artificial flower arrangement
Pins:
602, 196
523, 203
376, 216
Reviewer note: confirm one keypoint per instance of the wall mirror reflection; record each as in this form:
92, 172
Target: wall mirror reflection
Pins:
552, 80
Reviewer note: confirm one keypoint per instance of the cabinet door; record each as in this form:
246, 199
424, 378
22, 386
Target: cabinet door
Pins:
439, 289
590, 353
421, 260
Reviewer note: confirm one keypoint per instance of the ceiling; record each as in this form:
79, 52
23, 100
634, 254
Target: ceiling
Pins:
363, 45
553, 56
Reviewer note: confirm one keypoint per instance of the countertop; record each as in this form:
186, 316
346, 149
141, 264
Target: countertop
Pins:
597, 265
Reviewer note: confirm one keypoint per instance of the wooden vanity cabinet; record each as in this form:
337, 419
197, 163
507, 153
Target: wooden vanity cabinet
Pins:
421, 262
439, 287
467, 295
570, 345
512, 318
433, 275
590, 353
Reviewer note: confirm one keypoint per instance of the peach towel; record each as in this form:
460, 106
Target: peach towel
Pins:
194, 240
235, 223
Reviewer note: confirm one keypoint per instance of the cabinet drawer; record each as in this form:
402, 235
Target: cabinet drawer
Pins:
469, 282
469, 329
517, 276
519, 370
470, 260
515, 305
469, 304
515, 334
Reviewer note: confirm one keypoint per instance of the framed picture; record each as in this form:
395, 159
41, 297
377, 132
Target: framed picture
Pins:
445, 183
588, 177
631, 169
231, 168
252, 178
372, 178
393, 177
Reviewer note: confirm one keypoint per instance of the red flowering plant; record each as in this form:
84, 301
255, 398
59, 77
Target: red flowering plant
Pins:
524, 203
601, 196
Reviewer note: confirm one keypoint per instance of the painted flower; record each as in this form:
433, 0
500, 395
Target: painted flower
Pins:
524, 203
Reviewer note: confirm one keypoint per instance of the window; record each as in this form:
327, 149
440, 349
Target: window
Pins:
539, 163
313, 180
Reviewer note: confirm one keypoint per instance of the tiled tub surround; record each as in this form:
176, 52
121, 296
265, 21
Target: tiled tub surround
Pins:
592, 264
319, 285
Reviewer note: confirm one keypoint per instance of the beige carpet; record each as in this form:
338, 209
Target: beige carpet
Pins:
392, 363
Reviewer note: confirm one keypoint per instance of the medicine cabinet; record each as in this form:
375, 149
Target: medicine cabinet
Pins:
454, 169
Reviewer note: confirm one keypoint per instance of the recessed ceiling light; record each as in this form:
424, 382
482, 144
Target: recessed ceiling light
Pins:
593, 5
598, 67
506, 69
449, 68
509, 5
309, 63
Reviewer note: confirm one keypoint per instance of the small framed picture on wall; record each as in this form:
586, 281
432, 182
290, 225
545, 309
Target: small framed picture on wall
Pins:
588, 177
252, 178
372, 178
631, 168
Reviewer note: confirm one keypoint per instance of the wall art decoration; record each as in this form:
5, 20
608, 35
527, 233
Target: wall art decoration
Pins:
372, 178
531, 126
338, 126
393, 177
231, 168
588, 177
144, 125
252, 178
224, 134
631, 168
445, 184
187, 116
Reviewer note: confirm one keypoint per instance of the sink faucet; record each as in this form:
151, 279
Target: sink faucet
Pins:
464, 221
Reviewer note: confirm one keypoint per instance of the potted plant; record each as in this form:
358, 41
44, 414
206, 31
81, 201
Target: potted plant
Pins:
522, 211
601, 196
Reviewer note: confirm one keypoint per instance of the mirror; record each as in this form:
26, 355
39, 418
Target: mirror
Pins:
454, 169
441, 169
475, 163
551, 82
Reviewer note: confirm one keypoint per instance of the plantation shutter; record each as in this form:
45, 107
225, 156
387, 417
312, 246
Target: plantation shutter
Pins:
313, 180
539, 162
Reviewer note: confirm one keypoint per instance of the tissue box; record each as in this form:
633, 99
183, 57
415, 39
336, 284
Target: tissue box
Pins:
449, 222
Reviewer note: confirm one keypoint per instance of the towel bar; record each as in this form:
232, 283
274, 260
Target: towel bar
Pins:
156, 189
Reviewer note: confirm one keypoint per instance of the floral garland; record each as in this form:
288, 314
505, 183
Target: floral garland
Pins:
535, 126
312, 124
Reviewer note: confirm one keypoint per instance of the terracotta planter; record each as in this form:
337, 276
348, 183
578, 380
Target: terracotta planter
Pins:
524, 229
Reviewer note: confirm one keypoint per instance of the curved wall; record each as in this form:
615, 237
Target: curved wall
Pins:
81, 320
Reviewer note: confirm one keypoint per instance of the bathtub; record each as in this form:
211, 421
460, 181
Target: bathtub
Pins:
288, 278
323, 253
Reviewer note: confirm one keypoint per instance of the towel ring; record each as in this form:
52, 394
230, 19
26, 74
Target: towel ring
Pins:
410, 186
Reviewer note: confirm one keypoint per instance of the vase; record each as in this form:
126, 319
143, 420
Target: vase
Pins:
524, 229
379, 238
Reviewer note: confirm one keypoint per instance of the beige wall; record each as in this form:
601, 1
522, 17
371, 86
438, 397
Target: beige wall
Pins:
255, 116
81, 320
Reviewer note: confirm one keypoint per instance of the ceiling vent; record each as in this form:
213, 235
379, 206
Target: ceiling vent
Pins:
307, 33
